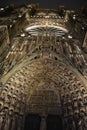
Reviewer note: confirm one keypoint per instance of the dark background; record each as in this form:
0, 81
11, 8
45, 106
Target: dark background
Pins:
47, 3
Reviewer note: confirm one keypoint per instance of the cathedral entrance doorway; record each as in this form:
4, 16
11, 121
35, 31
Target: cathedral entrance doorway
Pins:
54, 122
32, 122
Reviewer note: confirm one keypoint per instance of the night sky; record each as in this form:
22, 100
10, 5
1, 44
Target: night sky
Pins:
47, 3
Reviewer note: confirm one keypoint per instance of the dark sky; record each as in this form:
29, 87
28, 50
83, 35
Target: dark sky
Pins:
48, 3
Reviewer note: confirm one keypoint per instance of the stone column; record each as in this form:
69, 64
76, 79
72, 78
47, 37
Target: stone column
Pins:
43, 122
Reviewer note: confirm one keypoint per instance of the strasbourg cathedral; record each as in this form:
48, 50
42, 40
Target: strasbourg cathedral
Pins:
43, 68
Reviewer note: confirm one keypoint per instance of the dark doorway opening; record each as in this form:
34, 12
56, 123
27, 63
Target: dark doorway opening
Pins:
54, 122
32, 122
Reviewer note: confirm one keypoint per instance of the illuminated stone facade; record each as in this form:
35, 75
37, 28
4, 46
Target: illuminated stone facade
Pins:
43, 66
